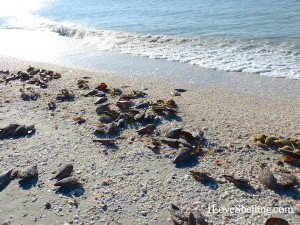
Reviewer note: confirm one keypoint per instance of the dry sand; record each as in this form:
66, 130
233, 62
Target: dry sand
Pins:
131, 184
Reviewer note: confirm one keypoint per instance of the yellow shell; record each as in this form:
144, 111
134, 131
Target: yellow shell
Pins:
270, 140
282, 142
259, 138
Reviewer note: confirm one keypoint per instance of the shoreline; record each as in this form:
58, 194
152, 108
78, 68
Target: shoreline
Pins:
132, 184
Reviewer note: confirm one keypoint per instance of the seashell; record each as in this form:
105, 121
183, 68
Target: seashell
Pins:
5, 178
105, 141
63, 172
170, 141
259, 137
180, 89
174, 133
27, 173
282, 142
51, 105
276, 221
116, 91
102, 107
68, 182
142, 105
147, 129
284, 180
266, 177
112, 128
91, 93
237, 181
196, 218
8, 131
65, 94
270, 141
183, 155
295, 142
175, 93
121, 123
178, 217
124, 104
100, 100
294, 154
101, 87
25, 96
105, 119
20, 131
114, 114
200, 176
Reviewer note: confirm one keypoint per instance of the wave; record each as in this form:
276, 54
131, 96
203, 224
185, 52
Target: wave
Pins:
266, 57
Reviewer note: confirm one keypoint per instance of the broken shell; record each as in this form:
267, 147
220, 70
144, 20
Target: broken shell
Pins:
63, 172
200, 176
91, 93
105, 141
266, 177
169, 141
180, 89
124, 104
52, 105
5, 178
20, 131
147, 129
68, 182
237, 180
174, 133
284, 180
27, 173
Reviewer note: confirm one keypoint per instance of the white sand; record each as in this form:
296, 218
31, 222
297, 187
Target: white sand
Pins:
139, 184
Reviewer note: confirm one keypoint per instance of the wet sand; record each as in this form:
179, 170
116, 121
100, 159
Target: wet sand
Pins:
131, 184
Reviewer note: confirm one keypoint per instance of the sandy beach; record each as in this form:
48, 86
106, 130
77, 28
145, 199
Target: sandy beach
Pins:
128, 182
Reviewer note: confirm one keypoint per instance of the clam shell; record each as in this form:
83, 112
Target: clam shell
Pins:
63, 172
20, 131
102, 107
183, 155
276, 221
174, 133
196, 218
100, 100
5, 178
8, 131
68, 182
27, 173
105, 119
112, 128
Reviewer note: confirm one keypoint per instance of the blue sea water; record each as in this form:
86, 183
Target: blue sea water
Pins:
255, 36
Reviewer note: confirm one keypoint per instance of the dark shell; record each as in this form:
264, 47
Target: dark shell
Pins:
147, 129
183, 155
169, 141
5, 178
68, 182
180, 89
102, 107
112, 128
105, 119
91, 93
101, 100
28, 173
288, 153
105, 141
20, 131
238, 181
8, 131
266, 177
121, 123
64, 172
196, 218
285, 180
174, 133
276, 221
200, 176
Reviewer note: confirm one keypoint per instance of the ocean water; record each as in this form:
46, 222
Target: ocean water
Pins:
254, 36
